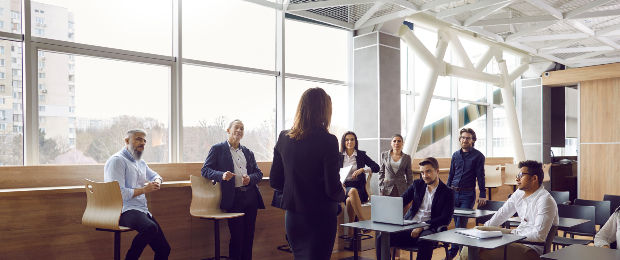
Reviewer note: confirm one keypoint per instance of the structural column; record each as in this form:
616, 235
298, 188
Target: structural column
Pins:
376, 95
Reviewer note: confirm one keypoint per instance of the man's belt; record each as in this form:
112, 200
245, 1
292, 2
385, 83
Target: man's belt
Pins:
457, 189
242, 188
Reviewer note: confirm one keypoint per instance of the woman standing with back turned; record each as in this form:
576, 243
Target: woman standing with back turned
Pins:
305, 167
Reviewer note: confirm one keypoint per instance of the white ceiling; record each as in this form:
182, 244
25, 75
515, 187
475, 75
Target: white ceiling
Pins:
576, 33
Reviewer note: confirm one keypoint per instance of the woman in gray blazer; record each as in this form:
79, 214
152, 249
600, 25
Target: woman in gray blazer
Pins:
395, 175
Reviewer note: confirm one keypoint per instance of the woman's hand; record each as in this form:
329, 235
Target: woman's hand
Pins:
356, 173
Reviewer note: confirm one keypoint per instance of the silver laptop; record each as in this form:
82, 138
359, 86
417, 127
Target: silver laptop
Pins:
388, 210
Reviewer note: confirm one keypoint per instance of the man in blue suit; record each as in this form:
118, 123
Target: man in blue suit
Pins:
233, 165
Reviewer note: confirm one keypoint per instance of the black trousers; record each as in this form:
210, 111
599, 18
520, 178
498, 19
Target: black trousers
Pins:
311, 236
242, 228
149, 233
404, 239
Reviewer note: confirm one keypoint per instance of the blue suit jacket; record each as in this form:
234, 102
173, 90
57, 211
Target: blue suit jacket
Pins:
220, 161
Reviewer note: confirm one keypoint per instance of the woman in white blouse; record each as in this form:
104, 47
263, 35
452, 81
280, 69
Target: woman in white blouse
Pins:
610, 232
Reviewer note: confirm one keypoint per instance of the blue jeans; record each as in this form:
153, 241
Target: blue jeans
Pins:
463, 199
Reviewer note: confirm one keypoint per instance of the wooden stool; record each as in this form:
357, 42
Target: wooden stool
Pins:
104, 205
206, 199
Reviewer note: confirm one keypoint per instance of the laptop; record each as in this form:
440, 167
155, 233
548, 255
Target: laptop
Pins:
388, 210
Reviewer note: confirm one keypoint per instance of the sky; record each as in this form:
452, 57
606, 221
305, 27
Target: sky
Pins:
223, 31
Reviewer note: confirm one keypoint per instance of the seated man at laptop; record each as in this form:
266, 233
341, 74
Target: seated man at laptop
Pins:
538, 212
433, 203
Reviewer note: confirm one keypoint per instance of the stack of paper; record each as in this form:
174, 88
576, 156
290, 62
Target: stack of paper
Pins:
479, 233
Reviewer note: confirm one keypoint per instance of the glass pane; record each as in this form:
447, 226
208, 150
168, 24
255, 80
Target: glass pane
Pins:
475, 117
137, 25
231, 32
471, 90
11, 15
435, 138
502, 144
84, 119
11, 100
340, 103
212, 98
315, 50
422, 70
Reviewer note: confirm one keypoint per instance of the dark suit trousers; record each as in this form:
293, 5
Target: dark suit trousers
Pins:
242, 228
404, 239
149, 233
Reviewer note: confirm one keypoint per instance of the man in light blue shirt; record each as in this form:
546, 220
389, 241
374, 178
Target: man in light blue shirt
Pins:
136, 179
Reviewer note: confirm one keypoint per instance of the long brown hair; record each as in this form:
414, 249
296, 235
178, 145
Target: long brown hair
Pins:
314, 112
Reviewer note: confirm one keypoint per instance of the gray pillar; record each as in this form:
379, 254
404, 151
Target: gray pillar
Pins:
536, 120
376, 95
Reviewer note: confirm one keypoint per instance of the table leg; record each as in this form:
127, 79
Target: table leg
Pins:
385, 245
354, 241
472, 253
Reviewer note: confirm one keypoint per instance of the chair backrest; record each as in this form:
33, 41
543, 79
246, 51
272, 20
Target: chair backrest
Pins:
368, 188
104, 205
491, 205
602, 209
493, 176
614, 201
549, 240
509, 175
560, 196
546, 168
579, 212
206, 197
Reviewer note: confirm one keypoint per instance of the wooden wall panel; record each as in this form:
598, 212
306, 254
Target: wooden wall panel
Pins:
600, 111
599, 168
574, 76
49, 227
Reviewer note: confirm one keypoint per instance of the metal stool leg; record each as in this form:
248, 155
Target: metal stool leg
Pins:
117, 245
217, 239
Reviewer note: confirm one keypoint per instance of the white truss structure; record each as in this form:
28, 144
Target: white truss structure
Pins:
576, 33
470, 72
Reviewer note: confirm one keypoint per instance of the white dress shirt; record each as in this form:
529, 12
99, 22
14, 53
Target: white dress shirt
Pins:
610, 232
538, 212
424, 213
240, 163
130, 174
351, 160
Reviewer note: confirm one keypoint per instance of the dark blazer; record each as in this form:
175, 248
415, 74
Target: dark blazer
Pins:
307, 172
442, 207
362, 161
220, 161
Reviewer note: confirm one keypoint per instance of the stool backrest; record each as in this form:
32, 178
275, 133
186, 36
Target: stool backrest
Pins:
206, 197
493, 175
104, 204
579, 212
546, 168
510, 174
614, 201
560, 196
601, 209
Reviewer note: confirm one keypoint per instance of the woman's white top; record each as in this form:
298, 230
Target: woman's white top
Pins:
610, 232
395, 164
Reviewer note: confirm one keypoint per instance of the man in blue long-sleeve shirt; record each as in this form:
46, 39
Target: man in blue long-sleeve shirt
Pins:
466, 165
131, 172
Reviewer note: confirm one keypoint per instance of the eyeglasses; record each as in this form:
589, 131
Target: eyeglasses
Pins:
520, 175
465, 138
